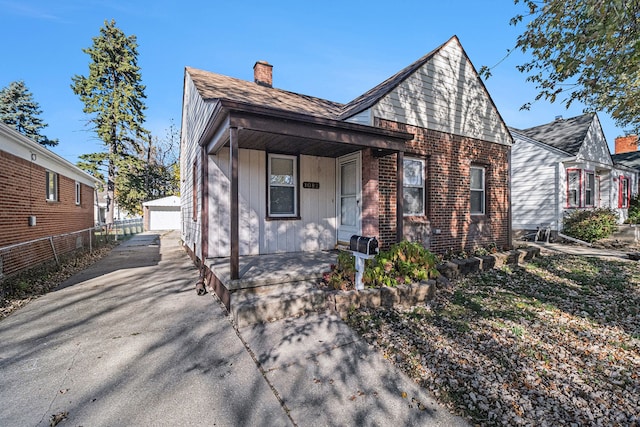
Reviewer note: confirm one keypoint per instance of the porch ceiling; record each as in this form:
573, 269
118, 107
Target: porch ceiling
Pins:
271, 130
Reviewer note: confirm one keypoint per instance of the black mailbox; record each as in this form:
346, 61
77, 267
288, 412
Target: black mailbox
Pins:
365, 245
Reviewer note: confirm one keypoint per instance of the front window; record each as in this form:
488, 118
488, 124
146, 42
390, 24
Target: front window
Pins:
625, 193
573, 188
52, 186
477, 190
413, 188
283, 186
589, 189
78, 193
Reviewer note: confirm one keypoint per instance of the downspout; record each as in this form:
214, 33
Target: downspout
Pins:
204, 220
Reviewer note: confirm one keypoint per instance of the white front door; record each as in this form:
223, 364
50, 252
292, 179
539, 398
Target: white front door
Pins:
348, 195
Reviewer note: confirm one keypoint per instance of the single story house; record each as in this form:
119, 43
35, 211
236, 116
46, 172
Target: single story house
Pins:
626, 152
421, 156
162, 214
563, 166
46, 203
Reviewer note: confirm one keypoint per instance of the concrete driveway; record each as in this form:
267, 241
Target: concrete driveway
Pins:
128, 342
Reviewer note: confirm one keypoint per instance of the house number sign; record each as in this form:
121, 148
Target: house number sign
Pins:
313, 185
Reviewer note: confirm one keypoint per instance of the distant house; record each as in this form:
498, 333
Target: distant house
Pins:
42, 195
626, 152
563, 166
162, 214
422, 156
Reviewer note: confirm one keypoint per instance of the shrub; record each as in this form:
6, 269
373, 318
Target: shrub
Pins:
404, 262
590, 225
634, 210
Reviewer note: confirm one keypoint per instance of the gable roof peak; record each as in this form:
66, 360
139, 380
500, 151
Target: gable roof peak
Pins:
374, 94
564, 134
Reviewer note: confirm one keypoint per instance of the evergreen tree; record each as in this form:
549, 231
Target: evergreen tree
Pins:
19, 110
113, 94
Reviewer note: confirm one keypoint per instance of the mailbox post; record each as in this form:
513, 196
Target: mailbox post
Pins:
362, 248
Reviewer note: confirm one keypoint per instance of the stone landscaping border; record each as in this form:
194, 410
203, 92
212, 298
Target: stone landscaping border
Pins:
416, 293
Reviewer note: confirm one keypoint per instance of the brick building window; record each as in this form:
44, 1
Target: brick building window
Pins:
413, 187
52, 186
477, 190
283, 186
573, 188
624, 195
78, 193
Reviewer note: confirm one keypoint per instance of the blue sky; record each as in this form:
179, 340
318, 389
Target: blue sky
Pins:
328, 49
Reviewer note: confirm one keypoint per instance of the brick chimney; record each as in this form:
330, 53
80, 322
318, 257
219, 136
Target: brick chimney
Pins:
626, 144
263, 73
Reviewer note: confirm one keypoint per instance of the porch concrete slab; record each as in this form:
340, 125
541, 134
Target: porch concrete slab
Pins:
129, 342
264, 270
268, 303
326, 375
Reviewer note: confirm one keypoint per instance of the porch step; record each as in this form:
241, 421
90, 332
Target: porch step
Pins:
249, 306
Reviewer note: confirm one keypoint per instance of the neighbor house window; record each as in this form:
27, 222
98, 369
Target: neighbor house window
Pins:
573, 188
52, 186
624, 194
283, 185
589, 189
77, 193
477, 190
413, 187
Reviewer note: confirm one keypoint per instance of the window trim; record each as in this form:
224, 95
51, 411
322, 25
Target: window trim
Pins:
624, 197
423, 187
483, 191
78, 193
579, 189
51, 197
588, 173
295, 186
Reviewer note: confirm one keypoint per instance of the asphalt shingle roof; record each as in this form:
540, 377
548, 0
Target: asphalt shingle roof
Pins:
630, 160
213, 86
564, 134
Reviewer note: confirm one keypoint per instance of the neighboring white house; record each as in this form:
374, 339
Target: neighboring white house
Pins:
562, 166
162, 214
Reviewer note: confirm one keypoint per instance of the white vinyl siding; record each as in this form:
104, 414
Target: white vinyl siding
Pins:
446, 95
362, 118
315, 230
535, 191
195, 115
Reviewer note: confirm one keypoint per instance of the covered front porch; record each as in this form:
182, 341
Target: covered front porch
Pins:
260, 132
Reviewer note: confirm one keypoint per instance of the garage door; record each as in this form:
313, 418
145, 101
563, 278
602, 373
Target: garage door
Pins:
164, 218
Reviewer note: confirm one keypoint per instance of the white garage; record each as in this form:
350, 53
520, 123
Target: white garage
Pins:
162, 214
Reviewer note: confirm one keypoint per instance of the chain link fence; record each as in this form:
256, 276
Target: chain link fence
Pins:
21, 256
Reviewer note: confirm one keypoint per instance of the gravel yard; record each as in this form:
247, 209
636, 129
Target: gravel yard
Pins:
554, 343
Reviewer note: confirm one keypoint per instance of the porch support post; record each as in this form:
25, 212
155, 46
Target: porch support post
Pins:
234, 229
399, 196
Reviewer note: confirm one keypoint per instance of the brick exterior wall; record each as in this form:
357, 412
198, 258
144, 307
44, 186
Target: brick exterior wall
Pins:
448, 223
22, 194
